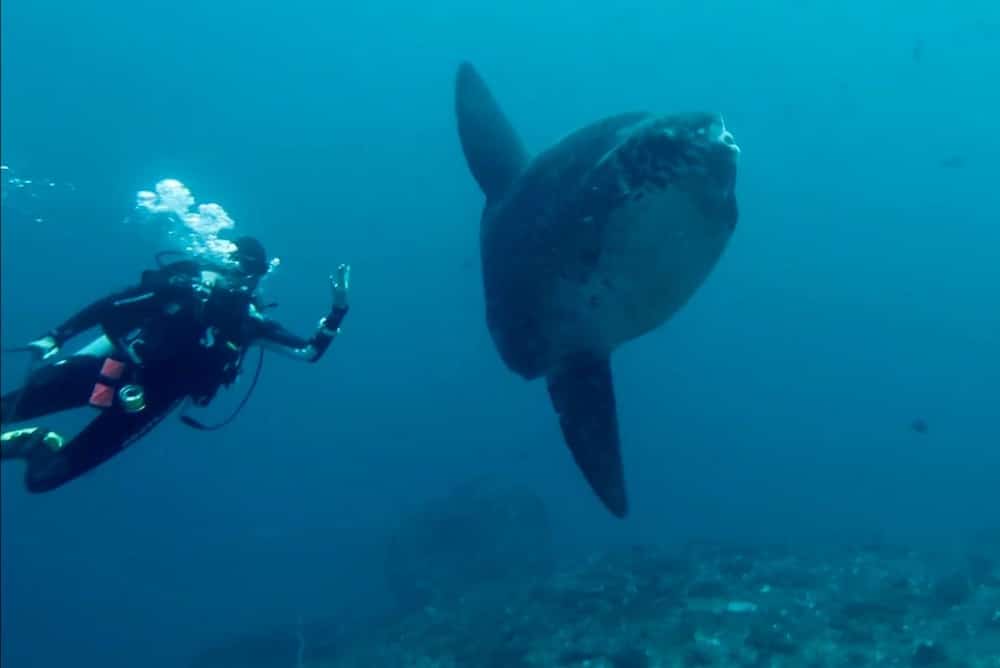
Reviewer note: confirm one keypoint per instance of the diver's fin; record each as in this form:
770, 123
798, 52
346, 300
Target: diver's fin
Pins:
583, 395
19, 443
492, 148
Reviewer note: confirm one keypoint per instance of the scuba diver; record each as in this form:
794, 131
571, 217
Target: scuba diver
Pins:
181, 333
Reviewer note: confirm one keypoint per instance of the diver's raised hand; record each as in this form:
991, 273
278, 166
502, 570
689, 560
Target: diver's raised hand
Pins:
340, 285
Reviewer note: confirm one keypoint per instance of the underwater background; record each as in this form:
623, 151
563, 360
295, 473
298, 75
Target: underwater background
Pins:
857, 300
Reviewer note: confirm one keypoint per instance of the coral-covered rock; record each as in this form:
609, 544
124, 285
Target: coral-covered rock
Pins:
665, 608
651, 608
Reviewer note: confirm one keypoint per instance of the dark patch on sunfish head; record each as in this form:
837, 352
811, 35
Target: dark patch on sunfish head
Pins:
693, 152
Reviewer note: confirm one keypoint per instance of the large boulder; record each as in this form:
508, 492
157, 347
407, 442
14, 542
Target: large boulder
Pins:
284, 647
483, 532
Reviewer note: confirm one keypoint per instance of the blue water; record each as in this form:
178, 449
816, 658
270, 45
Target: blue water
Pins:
859, 292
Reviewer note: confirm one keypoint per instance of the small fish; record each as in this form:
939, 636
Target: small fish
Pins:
953, 162
918, 51
919, 425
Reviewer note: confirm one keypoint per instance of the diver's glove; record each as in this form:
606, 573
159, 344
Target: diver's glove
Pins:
45, 347
340, 285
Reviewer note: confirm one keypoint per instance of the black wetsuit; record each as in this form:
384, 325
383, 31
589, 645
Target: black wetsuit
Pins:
179, 355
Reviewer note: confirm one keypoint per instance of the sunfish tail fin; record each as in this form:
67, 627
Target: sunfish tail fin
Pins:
582, 392
492, 148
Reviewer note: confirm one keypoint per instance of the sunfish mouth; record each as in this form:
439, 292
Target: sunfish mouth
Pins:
723, 153
718, 133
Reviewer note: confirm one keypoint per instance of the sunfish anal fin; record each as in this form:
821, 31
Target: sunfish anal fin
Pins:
582, 392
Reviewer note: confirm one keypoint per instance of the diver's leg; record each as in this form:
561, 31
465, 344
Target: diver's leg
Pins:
52, 388
50, 467
57, 387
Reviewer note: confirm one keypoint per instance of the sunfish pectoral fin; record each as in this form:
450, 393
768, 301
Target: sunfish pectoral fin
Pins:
583, 394
492, 148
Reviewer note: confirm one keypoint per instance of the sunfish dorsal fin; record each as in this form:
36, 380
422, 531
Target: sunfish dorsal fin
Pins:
492, 148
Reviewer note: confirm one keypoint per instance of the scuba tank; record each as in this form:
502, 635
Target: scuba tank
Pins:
224, 301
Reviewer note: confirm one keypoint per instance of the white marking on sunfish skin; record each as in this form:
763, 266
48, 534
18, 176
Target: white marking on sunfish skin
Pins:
724, 136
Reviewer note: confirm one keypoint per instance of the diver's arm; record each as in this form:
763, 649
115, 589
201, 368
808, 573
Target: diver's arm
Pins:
92, 314
271, 335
